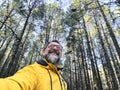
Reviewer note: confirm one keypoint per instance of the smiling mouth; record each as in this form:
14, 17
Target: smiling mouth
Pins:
54, 52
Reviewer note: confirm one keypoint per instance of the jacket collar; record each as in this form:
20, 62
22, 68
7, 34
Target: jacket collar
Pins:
45, 63
42, 62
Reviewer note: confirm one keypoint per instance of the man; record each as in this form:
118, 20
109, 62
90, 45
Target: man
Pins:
42, 75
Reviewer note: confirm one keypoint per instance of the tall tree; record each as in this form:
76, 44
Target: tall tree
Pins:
107, 60
110, 30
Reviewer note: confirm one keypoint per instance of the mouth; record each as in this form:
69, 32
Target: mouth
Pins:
54, 52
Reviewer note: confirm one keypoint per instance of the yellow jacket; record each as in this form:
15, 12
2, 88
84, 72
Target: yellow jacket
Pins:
38, 76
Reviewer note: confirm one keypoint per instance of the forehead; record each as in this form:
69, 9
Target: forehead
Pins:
55, 43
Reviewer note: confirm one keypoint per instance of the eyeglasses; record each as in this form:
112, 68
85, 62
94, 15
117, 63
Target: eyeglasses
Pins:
57, 46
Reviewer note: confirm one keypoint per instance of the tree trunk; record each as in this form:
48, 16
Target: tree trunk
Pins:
5, 49
110, 30
2, 43
108, 63
6, 18
91, 59
84, 65
15, 55
104, 68
115, 63
97, 70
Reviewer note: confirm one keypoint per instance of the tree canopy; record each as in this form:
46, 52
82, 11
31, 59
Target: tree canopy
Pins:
89, 31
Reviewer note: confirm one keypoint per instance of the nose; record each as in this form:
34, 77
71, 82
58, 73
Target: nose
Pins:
55, 47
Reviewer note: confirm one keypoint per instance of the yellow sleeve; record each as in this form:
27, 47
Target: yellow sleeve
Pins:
24, 79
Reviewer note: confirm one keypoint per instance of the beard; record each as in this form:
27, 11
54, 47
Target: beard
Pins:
54, 59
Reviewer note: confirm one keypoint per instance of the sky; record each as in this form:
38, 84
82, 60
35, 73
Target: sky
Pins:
63, 3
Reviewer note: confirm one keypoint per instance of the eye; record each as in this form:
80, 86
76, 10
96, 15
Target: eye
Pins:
57, 46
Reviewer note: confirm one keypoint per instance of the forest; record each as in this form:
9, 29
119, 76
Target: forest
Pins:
89, 31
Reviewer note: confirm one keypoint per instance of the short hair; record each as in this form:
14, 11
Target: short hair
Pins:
45, 46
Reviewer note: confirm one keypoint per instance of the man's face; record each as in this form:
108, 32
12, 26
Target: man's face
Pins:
53, 52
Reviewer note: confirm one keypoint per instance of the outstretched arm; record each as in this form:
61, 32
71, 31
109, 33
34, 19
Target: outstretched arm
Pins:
24, 79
